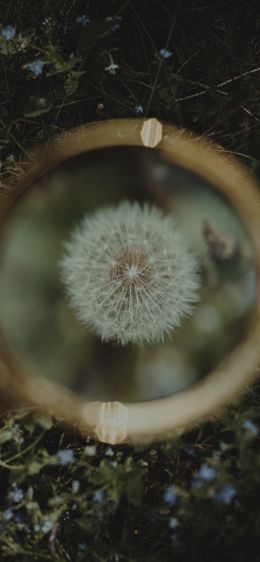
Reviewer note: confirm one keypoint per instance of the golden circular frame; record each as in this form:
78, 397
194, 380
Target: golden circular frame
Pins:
154, 420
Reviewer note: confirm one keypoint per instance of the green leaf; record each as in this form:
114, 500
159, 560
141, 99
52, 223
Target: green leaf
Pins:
127, 479
71, 83
43, 421
134, 482
34, 467
5, 436
37, 106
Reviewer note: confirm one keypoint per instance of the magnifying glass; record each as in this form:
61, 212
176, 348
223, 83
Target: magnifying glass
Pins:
129, 281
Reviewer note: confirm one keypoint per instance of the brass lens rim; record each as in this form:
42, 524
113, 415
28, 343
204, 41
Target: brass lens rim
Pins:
156, 419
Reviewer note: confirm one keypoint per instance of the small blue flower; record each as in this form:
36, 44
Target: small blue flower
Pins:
90, 450
82, 545
116, 22
139, 109
19, 518
227, 494
36, 67
115, 26
170, 497
98, 496
8, 32
83, 20
196, 484
16, 495
112, 68
173, 523
109, 452
248, 425
7, 514
47, 525
65, 456
165, 54
207, 472
75, 486
188, 450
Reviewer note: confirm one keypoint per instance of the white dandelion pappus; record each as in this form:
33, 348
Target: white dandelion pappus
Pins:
129, 274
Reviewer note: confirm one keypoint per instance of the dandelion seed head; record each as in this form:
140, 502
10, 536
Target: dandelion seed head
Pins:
129, 274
